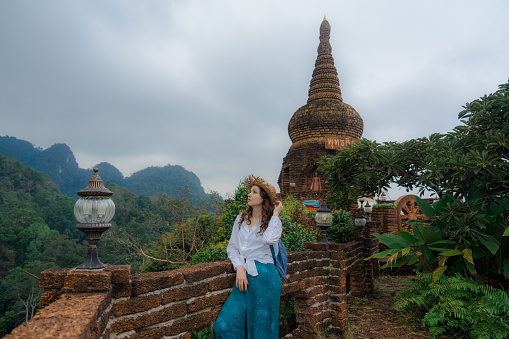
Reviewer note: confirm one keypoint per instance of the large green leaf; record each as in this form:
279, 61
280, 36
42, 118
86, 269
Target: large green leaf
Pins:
506, 232
488, 241
383, 254
429, 235
467, 255
440, 204
425, 208
409, 238
493, 210
438, 272
450, 253
392, 240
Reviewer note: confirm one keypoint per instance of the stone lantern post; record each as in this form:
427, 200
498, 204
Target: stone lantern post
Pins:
94, 209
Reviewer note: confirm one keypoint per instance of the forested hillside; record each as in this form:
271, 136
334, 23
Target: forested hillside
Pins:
37, 232
59, 163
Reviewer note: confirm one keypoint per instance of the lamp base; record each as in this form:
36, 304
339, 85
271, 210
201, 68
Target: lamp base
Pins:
323, 228
92, 261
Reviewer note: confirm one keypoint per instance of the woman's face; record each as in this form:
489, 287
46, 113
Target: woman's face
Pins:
254, 197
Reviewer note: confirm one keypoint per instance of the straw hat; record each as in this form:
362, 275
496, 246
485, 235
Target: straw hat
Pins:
267, 187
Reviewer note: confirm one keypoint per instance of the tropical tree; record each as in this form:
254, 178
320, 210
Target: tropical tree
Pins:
467, 169
478, 149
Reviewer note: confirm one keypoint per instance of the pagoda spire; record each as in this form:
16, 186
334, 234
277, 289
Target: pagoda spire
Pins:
324, 84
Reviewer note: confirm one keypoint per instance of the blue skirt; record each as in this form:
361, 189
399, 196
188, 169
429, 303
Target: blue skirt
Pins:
254, 313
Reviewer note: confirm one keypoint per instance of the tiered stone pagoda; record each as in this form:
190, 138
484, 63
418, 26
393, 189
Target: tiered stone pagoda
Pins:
323, 126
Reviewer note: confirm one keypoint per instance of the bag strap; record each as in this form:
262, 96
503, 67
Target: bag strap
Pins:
272, 250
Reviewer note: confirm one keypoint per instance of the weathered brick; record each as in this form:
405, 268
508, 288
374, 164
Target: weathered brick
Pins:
122, 325
122, 290
87, 281
53, 278
47, 297
189, 323
318, 254
202, 271
339, 307
136, 304
148, 282
120, 274
148, 334
184, 292
159, 316
297, 256
207, 301
297, 276
222, 283
338, 255
289, 288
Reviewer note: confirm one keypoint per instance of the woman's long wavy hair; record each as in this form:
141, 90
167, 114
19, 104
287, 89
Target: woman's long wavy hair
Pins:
267, 211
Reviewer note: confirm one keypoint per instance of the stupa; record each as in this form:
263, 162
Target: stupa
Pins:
323, 126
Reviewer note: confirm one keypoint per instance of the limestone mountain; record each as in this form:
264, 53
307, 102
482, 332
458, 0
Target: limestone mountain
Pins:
59, 163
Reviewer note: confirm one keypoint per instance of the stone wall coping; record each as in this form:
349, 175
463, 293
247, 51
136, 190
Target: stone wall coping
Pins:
71, 316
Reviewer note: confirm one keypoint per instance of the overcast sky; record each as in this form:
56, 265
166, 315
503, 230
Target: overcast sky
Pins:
212, 85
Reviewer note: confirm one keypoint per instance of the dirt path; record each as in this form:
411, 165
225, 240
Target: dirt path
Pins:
374, 316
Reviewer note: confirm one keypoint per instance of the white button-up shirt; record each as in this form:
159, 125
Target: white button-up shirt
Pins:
246, 246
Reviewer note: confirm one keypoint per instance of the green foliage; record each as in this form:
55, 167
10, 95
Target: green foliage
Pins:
342, 227
287, 315
211, 253
299, 214
384, 205
20, 295
204, 333
441, 163
456, 304
298, 225
230, 213
164, 180
295, 235
463, 237
467, 168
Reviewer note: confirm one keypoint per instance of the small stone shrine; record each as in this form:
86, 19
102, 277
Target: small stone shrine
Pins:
323, 126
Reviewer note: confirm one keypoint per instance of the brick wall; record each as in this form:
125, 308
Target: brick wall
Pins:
111, 303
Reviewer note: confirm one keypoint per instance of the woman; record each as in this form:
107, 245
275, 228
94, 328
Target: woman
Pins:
252, 309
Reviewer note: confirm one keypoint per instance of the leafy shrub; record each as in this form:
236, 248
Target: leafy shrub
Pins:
386, 204
204, 333
299, 214
467, 236
456, 304
211, 253
234, 207
287, 315
342, 227
295, 235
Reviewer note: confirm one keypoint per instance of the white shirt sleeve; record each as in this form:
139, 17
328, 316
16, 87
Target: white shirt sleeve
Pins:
273, 231
233, 245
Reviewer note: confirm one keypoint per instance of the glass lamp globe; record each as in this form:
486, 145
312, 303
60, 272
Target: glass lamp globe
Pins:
360, 220
94, 209
323, 215
368, 208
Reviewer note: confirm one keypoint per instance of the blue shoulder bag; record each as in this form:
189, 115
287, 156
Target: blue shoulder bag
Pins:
281, 260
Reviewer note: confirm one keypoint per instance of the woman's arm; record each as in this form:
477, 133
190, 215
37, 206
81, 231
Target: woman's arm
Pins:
275, 227
233, 245
234, 255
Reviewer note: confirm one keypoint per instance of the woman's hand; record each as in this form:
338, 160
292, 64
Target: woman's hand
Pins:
278, 208
241, 281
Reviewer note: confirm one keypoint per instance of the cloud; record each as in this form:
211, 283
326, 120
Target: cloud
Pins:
212, 86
